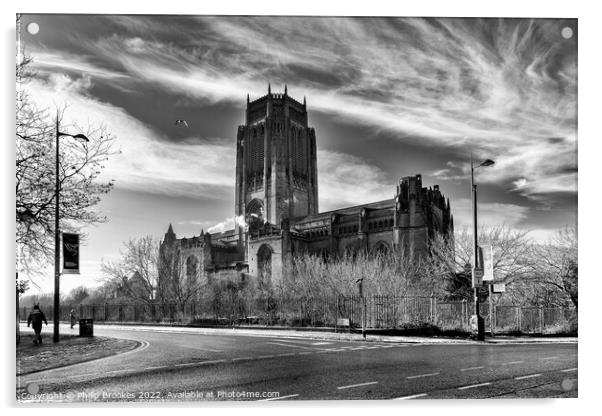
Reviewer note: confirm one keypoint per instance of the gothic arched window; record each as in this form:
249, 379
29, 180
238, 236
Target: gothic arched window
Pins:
264, 264
192, 267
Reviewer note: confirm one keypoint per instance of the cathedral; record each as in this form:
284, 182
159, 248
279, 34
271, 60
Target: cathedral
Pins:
276, 205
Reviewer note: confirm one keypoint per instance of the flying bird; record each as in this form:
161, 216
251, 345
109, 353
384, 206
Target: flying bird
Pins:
181, 123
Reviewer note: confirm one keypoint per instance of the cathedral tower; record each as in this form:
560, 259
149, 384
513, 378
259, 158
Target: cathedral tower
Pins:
276, 170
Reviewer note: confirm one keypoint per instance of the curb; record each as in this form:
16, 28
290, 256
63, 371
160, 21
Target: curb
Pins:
323, 335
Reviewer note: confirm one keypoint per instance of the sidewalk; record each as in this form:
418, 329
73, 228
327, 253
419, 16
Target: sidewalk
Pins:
70, 350
322, 335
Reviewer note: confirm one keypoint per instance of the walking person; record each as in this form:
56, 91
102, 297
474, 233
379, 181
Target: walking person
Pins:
36, 317
72, 317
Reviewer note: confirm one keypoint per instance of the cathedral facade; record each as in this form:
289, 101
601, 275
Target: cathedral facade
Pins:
276, 205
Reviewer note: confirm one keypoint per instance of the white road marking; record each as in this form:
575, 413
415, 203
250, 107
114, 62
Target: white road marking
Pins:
357, 385
423, 375
290, 345
265, 356
120, 371
304, 353
241, 359
303, 341
567, 370
278, 398
513, 362
529, 376
156, 368
288, 354
472, 386
198, 363
414, 396
193, 347
213, 361
548, 358
471, 368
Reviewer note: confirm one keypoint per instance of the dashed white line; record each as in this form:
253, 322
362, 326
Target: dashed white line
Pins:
194, 347
156, 368
513, 362
198, 363
471, 368
472, 386
567, 370
278, 398
525, 377
423, 375
120, 371
289, 354
212, 362
357, 385
290, 345
413, 396
305, 353
241, 359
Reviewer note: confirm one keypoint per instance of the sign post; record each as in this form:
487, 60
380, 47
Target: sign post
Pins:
70, 253
477, 277
360, 283
486, 253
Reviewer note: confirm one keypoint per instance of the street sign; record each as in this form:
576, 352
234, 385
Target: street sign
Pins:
498, 287
70, 253
487, 262
477, 277
343, 322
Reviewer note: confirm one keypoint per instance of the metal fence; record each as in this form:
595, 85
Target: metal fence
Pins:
382, 312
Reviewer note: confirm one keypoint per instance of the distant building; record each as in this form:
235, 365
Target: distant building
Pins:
277, 196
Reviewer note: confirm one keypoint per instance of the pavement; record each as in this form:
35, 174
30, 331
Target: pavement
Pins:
191, 364
342, 335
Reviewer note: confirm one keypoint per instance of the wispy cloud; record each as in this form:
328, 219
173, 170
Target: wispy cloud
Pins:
501, 87
347, 180
489, 214
191, 168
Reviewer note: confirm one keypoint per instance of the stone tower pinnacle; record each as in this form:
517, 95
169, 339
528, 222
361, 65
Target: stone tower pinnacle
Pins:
276, 168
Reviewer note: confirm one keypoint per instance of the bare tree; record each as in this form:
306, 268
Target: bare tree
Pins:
77, 295
512, 257
135, 273
555, 268
80, 165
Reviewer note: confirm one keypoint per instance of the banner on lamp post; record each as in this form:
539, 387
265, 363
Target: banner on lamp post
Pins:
70, 253
487, 262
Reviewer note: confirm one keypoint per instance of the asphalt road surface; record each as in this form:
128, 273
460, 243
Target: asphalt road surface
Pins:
177, 365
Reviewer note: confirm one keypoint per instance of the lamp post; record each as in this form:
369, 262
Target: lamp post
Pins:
57, 232
475, 248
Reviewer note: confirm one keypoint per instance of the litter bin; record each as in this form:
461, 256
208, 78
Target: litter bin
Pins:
86, 327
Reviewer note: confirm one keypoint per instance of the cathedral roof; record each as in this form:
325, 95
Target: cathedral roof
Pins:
385, 204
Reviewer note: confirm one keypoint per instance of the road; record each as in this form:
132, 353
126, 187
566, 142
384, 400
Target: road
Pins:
184, 365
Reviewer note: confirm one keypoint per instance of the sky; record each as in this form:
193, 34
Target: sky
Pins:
388, 97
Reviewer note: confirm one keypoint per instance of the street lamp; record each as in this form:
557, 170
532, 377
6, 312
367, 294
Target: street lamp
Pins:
57, 233
475, 249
